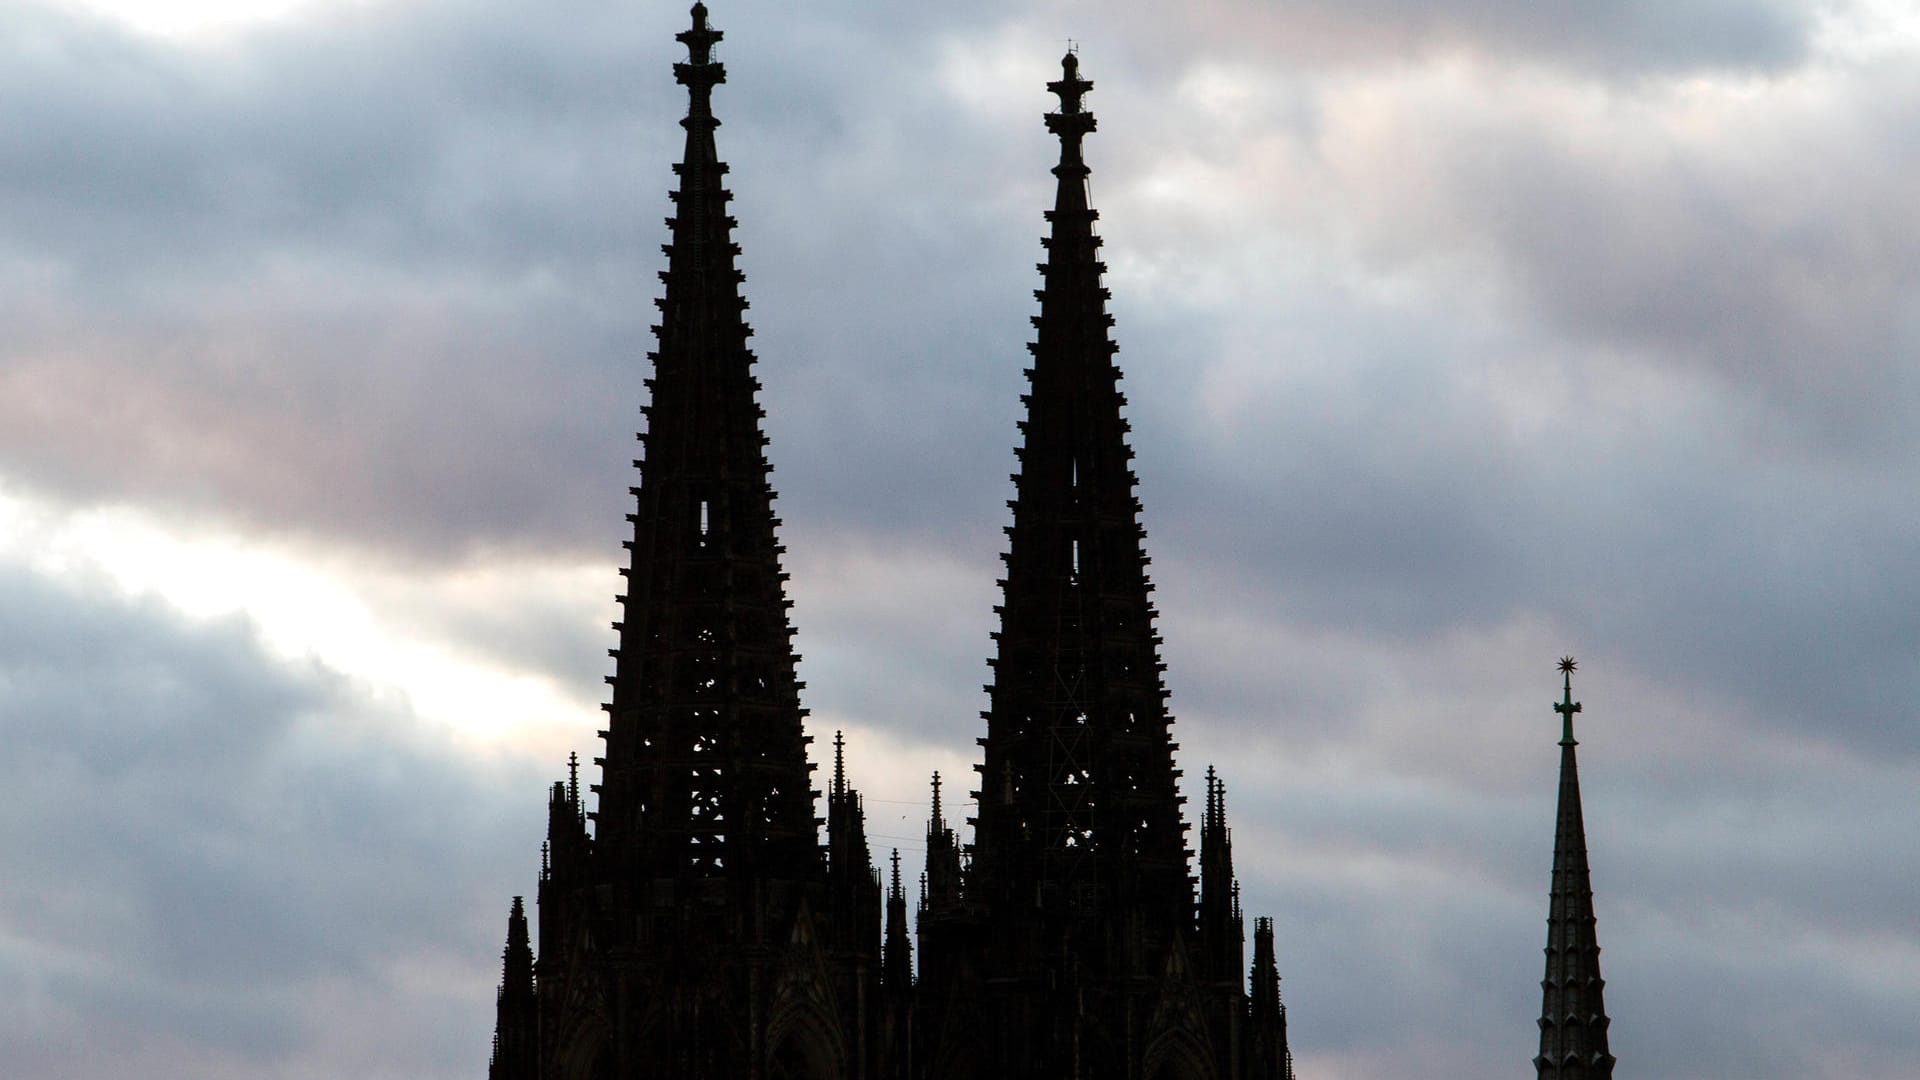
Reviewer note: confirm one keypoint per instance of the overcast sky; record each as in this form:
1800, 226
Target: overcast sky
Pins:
1459, 335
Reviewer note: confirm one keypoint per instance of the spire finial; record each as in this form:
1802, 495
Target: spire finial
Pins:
937, 819
1072, 122
1567, 706
896, 874
700, 39
701, 71
573, 778
839, 764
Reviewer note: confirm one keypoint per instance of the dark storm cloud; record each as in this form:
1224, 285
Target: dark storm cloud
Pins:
444, 200
251, 282
201, 839
383, 136
246, 276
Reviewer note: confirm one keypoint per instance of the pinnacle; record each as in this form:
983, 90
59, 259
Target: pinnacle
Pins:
1573, 1022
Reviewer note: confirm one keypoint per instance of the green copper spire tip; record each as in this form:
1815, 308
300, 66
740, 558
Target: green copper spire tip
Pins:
1567, 706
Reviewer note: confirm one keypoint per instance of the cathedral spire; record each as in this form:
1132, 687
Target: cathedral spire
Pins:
1271, 1058
706, 772
701, 898
1077, 725
896, 972
1222, 933
854, 888
940, 886
1573, 1014
516, 1048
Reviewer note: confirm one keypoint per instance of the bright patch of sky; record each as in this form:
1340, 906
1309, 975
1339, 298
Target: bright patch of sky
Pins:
1871, 29
199, 19
354, 623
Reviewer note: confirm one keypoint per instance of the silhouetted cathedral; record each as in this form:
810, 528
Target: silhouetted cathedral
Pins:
698, 928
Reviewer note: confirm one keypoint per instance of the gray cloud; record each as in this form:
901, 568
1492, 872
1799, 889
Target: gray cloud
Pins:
202, 839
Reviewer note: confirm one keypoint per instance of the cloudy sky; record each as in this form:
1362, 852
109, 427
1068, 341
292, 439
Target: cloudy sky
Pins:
1459, 334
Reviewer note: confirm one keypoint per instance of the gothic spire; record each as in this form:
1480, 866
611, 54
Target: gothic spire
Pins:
1573, 1014
1267, 1014
853, 886
940, 887
517, 960
515, 1036
1222, 933
1078, 752
896, 972
705, 772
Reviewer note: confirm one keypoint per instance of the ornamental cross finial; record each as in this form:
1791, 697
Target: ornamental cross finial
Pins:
1567, 706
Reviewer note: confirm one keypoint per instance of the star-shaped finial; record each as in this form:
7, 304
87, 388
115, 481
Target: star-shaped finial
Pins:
1567, 706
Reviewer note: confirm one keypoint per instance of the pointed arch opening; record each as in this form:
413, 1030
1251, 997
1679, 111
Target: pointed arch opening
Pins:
1177, 1058
804, 1051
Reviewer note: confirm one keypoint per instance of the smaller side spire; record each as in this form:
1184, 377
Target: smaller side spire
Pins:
565, 857
896, 972
854, 883
517, 958
1573, 1013
516, 1049
1222, 935
1266, 1012
941, 890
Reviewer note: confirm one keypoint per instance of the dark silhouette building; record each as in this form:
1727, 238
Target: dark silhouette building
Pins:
1573, 1010
698, 928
